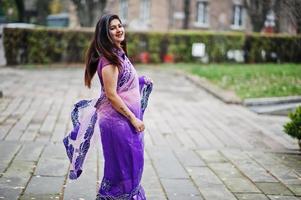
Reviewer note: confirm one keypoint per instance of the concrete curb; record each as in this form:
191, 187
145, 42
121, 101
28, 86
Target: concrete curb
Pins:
272, 101
226, 96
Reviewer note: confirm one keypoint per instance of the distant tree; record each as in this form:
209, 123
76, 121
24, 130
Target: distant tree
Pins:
292, 9
186, 14
258, 10
20, 8
8, 10
55, 6
89, 11
42, 11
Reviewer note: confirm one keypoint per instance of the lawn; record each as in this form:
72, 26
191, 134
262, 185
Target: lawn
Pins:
251, 80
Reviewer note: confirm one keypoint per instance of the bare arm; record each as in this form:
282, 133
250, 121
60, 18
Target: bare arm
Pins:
110, 77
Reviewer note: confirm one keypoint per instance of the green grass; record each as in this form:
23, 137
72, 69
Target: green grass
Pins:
251, 80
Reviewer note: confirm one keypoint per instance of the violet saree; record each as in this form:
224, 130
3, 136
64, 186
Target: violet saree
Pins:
123, 147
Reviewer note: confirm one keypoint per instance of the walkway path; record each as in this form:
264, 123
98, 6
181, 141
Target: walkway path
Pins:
197, 147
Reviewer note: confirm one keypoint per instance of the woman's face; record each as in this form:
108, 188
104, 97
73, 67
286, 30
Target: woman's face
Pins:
116, 31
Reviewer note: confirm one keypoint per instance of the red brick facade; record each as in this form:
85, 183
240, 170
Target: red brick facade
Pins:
164, 15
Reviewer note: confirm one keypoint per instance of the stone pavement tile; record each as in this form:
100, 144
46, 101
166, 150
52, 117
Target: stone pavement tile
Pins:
41, 114
58, 133
235, 154
278, 197
40, 187
48, 125
198, 137
172, 140
31, 132
85, 186
216, 129
274, 188
18, 129
13, 105
55, 151
14, 134
240, 185
165, 163
248, 166
8, 150
19, 168
250, 196
42, 138
157, 138
254, 172
10, 188
210, 186
52, 167
148, 141
4, 130
151, 183
285, 174
10, 122
211, 156
205, 129
180, 189
188, 157
233, 179
296, 189
8, 193
290, 160
250, 120
217, 117
3, 166
30, 152
185, 139
14, 180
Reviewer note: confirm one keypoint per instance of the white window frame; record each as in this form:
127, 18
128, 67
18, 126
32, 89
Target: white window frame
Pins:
238, 17
202, 14
145, 9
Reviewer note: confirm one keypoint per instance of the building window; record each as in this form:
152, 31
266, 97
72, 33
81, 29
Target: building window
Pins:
238, 17
123, 6
202, 13
145, 10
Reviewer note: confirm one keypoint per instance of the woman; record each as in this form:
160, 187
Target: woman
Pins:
118, 113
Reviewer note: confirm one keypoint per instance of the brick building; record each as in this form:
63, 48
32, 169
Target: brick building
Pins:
163, 15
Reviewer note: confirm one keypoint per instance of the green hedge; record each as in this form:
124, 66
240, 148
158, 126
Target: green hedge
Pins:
42, 45
45, 45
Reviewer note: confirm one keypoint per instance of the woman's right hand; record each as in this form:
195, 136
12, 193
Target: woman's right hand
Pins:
138, 124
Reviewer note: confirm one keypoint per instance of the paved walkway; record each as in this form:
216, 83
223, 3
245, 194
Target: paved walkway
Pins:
197, 147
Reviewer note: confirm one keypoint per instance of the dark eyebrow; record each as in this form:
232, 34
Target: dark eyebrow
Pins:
115, 25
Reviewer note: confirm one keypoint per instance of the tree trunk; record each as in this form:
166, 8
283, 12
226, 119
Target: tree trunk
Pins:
187, 14
257, 10
90, 11
20, 7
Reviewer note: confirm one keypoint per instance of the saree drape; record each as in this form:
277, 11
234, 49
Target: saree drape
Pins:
122, 146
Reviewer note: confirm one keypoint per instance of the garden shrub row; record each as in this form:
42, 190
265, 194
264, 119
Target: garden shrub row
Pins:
42, 45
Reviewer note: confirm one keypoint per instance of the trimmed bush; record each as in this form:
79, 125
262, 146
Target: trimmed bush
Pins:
293, 128
42, 45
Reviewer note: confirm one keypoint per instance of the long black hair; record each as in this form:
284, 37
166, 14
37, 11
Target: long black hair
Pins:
101, 45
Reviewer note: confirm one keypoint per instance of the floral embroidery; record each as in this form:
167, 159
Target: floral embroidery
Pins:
105, 185
145, 95
78, 153
126, 75
84, 117
138, 191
